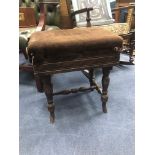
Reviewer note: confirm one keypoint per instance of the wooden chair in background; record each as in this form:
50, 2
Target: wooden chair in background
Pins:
129, 44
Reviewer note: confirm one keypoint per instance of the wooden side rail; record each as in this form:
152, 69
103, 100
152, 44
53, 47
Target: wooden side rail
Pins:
74, 90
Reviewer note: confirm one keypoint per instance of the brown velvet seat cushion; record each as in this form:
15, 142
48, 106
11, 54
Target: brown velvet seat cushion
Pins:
73, 40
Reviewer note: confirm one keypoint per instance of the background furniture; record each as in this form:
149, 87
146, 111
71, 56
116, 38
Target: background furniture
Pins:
126, 15
101, 14
129, 43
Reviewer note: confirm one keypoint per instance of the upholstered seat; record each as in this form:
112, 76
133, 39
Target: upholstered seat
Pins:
58, 49
69, 42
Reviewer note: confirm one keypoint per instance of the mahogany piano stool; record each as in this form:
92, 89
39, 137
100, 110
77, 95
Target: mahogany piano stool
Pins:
79, 49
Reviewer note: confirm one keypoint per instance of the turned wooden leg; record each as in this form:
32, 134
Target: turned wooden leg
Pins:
48, 89
105, 84
39, 83
91, 77
132, 47
131, 57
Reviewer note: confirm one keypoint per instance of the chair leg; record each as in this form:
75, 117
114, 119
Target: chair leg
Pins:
48, 89
91, 76
39, 84
105, 84
131, 57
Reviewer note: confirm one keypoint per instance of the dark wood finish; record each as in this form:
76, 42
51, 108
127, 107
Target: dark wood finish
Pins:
39, 83
87, 74
74, 90
105, 84
88, 18
87, 10
48, 88
44, 74
91, 76
46, 66
110, 59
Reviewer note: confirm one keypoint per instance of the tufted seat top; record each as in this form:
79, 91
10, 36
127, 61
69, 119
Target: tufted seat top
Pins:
72, 40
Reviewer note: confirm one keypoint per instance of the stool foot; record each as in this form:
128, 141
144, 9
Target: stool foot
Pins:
104, 99
52, 119
51, 108
131, 59
105, 84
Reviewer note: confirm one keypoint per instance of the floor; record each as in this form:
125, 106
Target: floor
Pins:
80, 128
